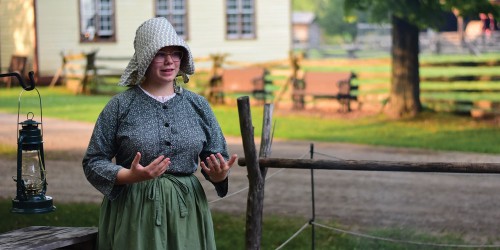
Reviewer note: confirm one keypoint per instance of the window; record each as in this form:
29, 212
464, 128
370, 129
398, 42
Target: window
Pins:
175, 12
97, 20
240, 19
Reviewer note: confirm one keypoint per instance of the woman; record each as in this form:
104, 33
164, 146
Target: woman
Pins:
156, 131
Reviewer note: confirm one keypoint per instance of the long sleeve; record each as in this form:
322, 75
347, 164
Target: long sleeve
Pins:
216, 143
97, 163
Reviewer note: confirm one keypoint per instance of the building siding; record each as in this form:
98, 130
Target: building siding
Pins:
273, 32
17, 33
58, 31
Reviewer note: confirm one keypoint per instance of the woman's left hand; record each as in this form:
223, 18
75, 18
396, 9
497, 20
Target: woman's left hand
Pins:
218, 168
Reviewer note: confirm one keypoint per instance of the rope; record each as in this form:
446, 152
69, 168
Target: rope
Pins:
245, 188
229, 195
394, 240
403, 241
293, 236
327, 155
361, 235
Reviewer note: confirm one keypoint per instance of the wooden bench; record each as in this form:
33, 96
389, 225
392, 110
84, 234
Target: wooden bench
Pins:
249, 80
44, 237
334, 85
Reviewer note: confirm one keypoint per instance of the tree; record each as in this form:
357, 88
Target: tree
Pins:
407, 18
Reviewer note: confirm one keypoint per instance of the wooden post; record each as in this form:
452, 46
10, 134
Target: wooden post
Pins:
267, 137
256, 175
294, 62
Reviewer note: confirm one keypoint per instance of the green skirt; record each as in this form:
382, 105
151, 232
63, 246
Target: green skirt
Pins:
169, 212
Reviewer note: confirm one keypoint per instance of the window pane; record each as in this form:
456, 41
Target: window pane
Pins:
161, 5
105, 5
178, 19
105, 8
247, 4
97, 20
178, 4
247, 28
240, 19
247, 18
162, 8
178, 23
106, 22
232, 24
88, 21
175, 12
232, 5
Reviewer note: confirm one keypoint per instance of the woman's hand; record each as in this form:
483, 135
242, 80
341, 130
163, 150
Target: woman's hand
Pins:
218, 168
138, 173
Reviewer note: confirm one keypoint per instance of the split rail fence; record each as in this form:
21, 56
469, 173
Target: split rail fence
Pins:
257, 166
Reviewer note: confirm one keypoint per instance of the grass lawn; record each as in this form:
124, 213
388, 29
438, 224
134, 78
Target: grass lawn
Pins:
230, 229
430, 130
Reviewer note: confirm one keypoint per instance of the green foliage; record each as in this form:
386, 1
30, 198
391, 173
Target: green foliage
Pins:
422, 14
339, 27
304, 5
334, 21
472, 8
338, 18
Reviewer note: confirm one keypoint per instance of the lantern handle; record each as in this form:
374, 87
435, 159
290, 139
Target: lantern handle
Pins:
31, 75
31, 82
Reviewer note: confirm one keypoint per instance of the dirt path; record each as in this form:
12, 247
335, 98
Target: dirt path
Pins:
464, 204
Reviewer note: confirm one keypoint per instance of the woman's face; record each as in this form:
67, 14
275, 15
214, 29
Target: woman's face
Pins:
165, 65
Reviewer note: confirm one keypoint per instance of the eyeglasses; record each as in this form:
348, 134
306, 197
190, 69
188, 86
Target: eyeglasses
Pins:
161, 56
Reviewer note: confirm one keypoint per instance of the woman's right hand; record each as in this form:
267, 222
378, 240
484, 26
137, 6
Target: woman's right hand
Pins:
138, 173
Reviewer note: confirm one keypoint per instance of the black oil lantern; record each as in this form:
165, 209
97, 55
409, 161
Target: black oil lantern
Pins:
31, 175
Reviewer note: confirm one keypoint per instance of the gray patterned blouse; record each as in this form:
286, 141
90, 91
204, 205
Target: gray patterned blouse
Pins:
183, 128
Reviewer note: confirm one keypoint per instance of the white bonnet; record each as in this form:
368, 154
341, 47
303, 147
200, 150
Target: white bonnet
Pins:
150, 37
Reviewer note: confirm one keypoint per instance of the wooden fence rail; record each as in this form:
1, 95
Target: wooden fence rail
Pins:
449, 167
254, 228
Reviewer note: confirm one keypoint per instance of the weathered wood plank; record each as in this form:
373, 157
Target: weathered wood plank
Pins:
450, 167
44, 237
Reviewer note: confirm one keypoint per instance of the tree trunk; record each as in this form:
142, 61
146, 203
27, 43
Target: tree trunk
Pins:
404, 99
